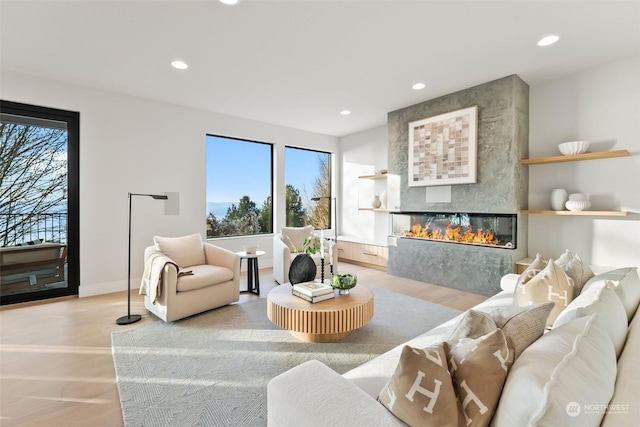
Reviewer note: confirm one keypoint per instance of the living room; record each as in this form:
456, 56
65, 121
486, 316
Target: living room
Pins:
132, 143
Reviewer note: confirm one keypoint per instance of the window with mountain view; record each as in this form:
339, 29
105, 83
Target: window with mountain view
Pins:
239, 187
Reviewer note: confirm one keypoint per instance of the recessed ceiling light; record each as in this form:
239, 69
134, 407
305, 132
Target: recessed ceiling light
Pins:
418, 86
229, 1
546, 41
180, 65
345, 112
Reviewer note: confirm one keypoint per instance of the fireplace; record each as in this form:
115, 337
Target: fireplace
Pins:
484, 229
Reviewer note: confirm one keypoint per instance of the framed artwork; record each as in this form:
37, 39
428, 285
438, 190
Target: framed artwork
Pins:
443, 149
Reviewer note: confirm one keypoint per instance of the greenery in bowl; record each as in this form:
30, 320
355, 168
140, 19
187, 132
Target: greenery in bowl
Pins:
344, 282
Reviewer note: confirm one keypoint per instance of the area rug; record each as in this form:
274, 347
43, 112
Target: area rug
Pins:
212, 369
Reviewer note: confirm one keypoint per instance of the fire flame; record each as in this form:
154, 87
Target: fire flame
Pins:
453, 234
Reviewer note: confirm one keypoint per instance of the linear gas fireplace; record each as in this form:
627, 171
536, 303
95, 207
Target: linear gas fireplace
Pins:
484, 229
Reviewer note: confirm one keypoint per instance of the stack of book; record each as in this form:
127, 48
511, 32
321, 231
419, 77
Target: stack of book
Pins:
313, 291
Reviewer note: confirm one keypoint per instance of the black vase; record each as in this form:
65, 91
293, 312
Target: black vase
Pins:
302, 269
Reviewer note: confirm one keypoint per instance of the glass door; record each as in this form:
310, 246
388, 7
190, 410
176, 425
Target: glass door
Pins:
38, 203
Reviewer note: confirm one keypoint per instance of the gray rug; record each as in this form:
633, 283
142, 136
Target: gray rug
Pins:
212, 369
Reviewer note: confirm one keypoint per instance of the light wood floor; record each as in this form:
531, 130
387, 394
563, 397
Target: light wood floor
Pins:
56, 367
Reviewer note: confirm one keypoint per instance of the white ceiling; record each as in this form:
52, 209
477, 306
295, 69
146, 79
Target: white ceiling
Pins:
298, 63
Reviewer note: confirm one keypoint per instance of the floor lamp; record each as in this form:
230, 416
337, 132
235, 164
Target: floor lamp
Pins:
133, 318
333, 202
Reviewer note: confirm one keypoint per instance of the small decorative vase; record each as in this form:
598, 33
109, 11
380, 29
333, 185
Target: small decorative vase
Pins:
302, 269
559, 197
376, 202
383, 200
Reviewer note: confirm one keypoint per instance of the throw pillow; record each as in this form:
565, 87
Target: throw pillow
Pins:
626, 284
186, 251
602, 300
479, 368
551, 284
572, 365
294, 237
576, 268
537, 265
420, 391
522, 325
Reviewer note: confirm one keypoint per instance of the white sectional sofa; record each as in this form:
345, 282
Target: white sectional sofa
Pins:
570, 376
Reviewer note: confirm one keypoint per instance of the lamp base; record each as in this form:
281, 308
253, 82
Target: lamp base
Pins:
126, 320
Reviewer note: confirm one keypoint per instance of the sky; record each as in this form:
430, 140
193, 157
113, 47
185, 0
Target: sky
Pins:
236, 168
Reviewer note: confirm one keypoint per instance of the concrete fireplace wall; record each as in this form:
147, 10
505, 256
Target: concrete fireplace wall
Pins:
502, 186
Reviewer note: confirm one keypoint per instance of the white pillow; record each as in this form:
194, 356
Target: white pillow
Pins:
186, 251
611, 315
626, 284
559, 377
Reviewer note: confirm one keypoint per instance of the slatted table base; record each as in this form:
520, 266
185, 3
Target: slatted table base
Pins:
327, 321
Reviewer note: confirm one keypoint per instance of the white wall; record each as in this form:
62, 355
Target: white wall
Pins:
602, 106
363, 153
135, 145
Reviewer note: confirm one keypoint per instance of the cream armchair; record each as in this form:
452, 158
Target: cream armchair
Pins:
288, 244
185, 276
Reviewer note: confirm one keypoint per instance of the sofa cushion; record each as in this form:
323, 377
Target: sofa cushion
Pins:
626, 284
623, 409
550, 284
203, 276
555, 377
186, 251
478, 368
576, 268
602, 300
294, 237
420, 391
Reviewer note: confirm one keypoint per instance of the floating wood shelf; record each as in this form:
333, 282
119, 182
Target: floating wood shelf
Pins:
376, 176
373, 209
576, 213
577, 157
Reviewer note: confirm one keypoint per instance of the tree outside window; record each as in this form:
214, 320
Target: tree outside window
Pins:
307, 175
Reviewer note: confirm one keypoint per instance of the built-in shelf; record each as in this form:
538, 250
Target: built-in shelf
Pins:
576, 213
577, 157
376, 176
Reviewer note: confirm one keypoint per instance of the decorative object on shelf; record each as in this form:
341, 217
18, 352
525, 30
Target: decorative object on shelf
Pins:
383, 200
578, 202
376, 202
573, 147
250, 249
443, 149
132, 318
559, 197
344, 282
302, 269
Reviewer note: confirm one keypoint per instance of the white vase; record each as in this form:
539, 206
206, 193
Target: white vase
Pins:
376, 202
383, 200
559, 197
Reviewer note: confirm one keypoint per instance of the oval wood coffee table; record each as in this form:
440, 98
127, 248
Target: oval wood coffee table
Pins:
326, 321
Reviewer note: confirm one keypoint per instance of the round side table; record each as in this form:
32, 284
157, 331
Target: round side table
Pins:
253, 276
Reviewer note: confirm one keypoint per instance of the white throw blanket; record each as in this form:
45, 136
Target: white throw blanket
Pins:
151, 284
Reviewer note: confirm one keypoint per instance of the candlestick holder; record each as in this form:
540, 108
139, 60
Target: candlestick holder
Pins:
322, 270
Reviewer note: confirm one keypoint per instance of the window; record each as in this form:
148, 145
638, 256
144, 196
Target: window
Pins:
308, 177
239, 187
39, 199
